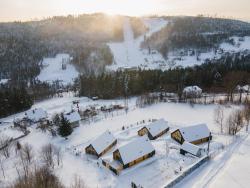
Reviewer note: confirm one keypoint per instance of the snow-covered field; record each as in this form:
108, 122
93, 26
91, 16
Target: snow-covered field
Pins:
155, 172
52, 70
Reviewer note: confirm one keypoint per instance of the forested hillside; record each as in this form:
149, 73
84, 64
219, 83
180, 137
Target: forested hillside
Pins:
23, 45
222, 75
202, 33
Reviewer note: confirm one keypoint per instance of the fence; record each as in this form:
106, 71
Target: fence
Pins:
188, 171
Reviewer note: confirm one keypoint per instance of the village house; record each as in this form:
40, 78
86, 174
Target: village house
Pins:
101, 144
73, 118
155, 129
192, 91
36, 115
134, 152
192, 149
196, 134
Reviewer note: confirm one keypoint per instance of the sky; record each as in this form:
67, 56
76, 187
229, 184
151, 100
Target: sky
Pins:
25, 10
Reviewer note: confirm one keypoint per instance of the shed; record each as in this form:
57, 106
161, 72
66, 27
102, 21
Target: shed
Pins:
192, 91
195, 134
134, 152
155, 129
101, 144
192, 149
73, 118
36, 115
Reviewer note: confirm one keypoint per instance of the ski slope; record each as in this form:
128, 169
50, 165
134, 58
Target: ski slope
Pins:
128, 54
52, 70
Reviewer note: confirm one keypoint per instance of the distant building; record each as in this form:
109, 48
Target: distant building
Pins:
101, 144
73, 118
155, 129
192, 91
192, 149
36, 115
195, 134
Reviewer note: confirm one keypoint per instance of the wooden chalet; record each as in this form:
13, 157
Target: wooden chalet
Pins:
196, 134
101, 144
155, 129
134, 152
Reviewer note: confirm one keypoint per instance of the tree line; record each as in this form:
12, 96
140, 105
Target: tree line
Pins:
222, 75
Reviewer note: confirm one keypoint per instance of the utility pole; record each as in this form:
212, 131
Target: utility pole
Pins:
208, 145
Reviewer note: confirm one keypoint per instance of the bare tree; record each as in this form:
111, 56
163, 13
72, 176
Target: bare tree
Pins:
78, 183
5, 146
27, 152
235, 122
47, 155
39, 178
219, 117
58, 154
247, 115
2, 167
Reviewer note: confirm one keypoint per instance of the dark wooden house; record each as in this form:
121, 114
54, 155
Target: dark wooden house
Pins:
101, 144
155, 129
196, 134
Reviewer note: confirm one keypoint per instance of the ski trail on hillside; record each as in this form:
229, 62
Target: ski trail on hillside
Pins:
128, 54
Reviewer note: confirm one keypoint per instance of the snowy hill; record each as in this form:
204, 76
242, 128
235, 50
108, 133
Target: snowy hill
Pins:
180, 47
129, 54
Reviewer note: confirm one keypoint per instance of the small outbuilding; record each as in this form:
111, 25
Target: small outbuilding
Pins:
101, 144
192, 91
134, 152
192, 149
155, 129
196, 134
36, 115
73, 118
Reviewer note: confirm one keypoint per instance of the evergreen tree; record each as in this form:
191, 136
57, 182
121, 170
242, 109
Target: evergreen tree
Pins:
65, 128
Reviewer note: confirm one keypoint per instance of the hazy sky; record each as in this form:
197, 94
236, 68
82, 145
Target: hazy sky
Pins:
36, 9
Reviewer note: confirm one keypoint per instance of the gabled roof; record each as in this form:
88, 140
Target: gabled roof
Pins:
157, 127
103, 141
135, 149
192, 89
72, 117
36, 114
195, 132
190, 148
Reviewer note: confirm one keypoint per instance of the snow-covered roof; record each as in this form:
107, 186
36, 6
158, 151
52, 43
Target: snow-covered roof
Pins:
72, 117
4, 81
36, 114
191, 148
246, 88
192, 89
157, 127
103, 141
135, 149
195, 132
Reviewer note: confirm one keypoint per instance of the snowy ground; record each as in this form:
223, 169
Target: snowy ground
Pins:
52, 70
154, 172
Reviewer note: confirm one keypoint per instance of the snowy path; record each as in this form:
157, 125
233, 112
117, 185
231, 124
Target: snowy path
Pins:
237, 172
209, 172
128, 53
